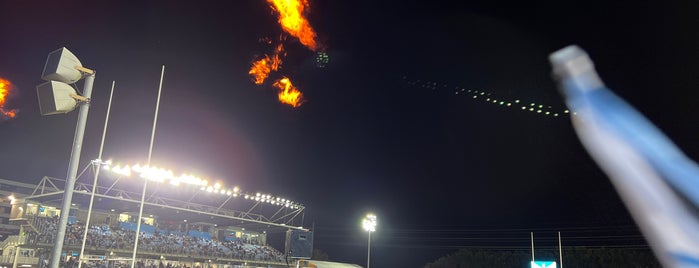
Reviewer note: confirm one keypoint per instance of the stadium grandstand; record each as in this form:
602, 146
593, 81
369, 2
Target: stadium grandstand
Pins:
182, 225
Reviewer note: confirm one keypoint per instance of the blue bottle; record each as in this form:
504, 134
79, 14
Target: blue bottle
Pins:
658, 183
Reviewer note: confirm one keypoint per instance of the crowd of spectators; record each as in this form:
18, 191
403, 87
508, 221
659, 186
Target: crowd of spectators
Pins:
117, 238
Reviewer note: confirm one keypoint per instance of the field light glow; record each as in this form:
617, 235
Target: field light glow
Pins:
162, 175
369, 223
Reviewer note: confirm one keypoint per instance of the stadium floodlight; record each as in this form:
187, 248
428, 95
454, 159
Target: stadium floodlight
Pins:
369, 225
62, 68
161, 175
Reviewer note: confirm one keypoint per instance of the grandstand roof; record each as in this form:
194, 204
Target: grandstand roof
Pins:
175, 204
327, 264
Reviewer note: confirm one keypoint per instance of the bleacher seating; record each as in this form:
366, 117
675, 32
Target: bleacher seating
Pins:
193, 243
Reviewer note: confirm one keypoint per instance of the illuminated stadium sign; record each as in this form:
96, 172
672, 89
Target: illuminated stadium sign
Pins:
543, 264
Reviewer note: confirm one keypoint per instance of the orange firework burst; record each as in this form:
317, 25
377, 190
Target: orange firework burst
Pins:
288, 94
5, 87
261, 68
292, 20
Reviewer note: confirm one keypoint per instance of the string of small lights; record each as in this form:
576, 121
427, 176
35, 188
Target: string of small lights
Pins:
490, 98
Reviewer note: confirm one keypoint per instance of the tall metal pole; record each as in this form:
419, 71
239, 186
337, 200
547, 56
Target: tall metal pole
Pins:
14, 262
560, 250
368, 252
145, 180
17, 247
532, 238
72, 171
94, 181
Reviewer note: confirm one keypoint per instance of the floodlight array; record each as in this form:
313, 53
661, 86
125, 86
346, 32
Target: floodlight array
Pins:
266, 198
162, 175
369, 223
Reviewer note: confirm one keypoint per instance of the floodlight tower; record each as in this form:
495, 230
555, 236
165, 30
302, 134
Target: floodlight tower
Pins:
56, 96
369, 225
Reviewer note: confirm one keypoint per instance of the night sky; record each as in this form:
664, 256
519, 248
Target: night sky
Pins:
438, 168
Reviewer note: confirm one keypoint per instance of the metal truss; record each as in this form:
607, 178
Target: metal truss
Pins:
185, 199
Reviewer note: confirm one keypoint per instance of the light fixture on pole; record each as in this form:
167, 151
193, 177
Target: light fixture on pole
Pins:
56, 96
369, 225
